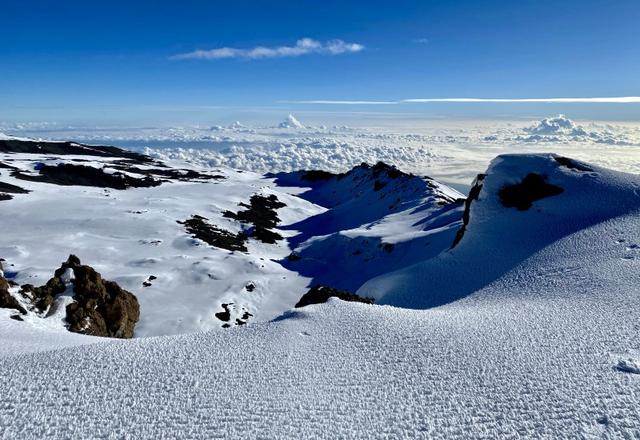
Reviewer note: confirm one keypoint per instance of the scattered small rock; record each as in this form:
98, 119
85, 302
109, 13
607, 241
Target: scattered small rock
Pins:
629, 365
226, 314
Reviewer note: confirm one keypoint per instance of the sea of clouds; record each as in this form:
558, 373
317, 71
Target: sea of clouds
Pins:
452, 150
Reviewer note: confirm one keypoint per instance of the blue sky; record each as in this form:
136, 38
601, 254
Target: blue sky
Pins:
83, 61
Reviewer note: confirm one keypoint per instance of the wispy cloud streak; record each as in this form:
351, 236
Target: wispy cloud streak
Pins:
329, 102
612, 100
304, 46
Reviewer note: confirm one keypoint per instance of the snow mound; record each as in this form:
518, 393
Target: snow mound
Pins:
291, 122
554, 197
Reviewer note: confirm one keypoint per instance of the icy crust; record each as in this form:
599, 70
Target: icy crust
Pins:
497, 237
533, 355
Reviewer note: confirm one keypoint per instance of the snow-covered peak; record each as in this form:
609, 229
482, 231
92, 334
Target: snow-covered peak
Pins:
291, 122
520, 205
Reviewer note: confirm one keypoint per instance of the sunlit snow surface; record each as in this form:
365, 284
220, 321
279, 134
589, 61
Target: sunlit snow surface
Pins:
532, 355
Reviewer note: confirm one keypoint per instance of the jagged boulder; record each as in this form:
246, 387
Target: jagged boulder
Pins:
320, 294
7, 301
101, 307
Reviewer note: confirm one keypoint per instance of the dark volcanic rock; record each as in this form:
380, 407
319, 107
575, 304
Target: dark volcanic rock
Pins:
522, 195
320, 294
317, 175
474, 193
261, 213
5, 196
13, 189
68, 148
101, 307
69, 174
43, 297
210, 234
6, 300
170, 173
225, 315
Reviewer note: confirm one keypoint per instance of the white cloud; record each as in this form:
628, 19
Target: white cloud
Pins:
304, 46
613, 100
605, 100
329, 102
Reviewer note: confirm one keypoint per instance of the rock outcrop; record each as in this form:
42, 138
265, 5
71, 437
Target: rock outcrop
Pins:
320, 294
7, 301
99, 308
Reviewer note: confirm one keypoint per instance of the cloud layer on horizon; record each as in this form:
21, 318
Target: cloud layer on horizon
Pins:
304, 46
592, 100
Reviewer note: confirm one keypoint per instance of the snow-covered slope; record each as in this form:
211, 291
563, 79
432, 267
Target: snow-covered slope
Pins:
378, 219
522, 204
542, 352
344, 230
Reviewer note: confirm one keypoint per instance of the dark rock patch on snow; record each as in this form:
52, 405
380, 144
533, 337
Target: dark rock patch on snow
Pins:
43, 297
7, 301
261, 212
13, 189
474, 194
318, 175
225, 315
320, 295
68, 148
101, 307
199, 227
522, 195
82, 175
169, 173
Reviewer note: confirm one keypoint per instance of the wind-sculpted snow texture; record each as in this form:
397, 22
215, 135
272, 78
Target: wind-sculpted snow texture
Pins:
533, 355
